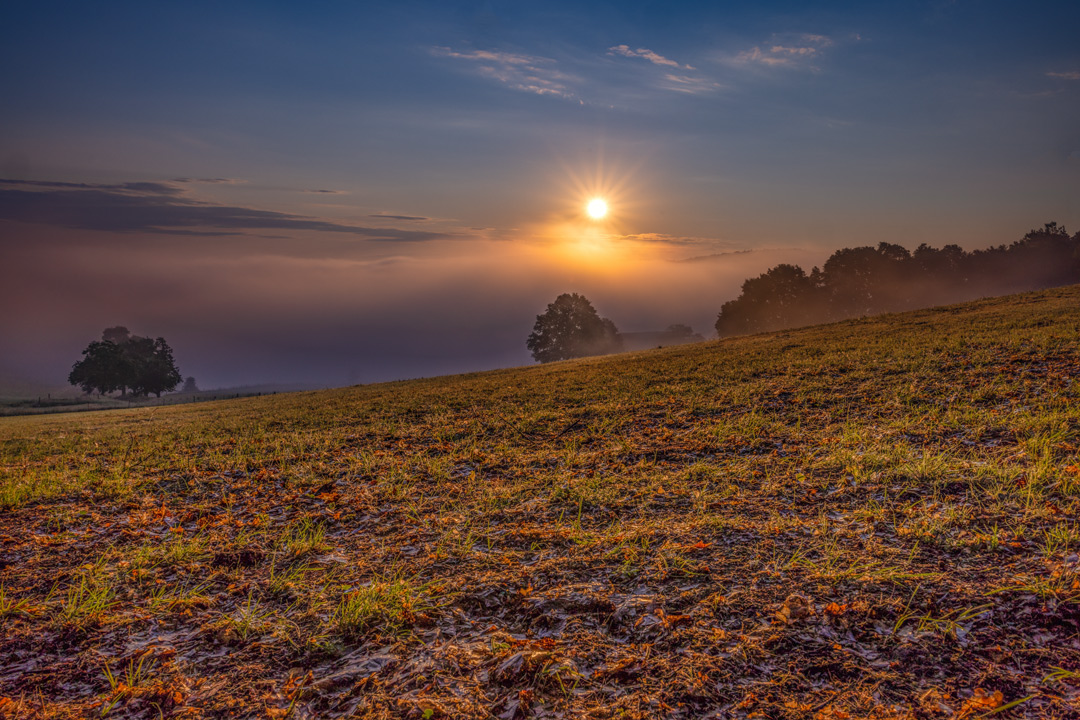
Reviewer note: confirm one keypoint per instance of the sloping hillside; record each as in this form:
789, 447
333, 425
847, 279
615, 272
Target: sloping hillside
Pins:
875, 519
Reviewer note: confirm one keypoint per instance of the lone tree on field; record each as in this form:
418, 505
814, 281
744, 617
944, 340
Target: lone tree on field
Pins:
571, 328
128, 363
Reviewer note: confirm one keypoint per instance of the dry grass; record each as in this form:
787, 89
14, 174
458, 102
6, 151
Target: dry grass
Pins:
873, 519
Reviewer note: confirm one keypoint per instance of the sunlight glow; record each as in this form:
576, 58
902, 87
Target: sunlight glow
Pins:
597, 208
606, 190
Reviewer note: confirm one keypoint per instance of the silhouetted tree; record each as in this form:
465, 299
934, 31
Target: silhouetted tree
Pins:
768, 302
125, 362
572, 328
867, 280
850, 276
102, 368
189, 385
154, 370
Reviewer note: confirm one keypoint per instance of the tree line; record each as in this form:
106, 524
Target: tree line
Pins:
852, 283
866, 281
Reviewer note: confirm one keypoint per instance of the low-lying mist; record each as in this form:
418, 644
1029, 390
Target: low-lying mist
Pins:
238, 315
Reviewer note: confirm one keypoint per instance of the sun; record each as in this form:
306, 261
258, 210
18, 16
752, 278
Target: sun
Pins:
596, 208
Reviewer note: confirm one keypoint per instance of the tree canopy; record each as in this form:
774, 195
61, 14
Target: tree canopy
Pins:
571, 328
128, 363
866, 280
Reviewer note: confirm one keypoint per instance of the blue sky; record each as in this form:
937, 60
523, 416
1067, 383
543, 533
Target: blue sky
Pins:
159, 156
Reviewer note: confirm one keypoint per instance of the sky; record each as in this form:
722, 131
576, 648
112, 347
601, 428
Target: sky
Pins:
348, 192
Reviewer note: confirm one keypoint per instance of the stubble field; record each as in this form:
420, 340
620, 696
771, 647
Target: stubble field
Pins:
872, 519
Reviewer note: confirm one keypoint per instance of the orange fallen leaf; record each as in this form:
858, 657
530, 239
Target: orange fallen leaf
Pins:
835, 609
980, 703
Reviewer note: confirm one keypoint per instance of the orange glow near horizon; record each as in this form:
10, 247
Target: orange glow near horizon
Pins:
588, 246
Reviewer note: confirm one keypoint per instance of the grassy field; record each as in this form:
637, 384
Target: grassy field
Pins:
872, 519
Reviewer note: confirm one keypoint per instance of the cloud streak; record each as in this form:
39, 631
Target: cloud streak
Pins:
686, 80
526, 73
788, 51
654, 238
120, 188
1069, 75
160, 208
385, 216
690, 84
646, 54
209, 181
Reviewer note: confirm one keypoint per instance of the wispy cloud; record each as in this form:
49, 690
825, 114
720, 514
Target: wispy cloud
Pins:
148, 207
653, 238
1068, 75
209, 181
129, 188
688, 80
387, 216
527, 73
712, 257
646, 54
690, 84
787, 51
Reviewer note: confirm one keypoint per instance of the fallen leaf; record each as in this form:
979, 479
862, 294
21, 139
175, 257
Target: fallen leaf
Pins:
835, 609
